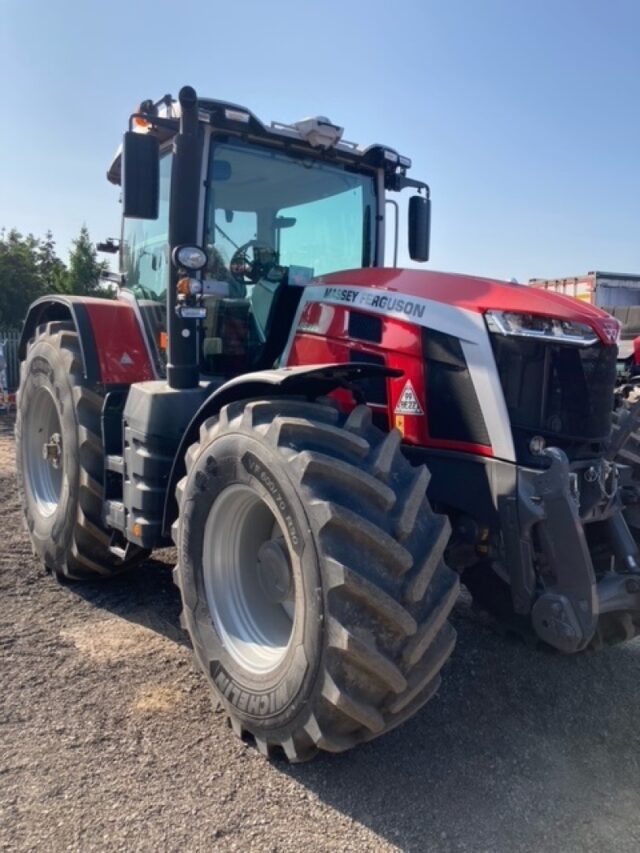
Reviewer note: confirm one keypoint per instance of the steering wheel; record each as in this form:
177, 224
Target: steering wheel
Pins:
246, 268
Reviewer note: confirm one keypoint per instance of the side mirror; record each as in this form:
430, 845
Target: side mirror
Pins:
140, 175
419, 227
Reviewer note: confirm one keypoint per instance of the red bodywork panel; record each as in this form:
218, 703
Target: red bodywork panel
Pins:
120, 346
401, 344
323, 334
480, 295
402, 347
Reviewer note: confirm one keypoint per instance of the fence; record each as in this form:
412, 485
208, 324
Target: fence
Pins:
9, 344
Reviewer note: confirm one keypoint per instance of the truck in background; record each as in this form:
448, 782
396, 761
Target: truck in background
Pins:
617, 293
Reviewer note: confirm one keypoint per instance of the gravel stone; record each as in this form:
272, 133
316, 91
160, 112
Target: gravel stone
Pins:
108, 740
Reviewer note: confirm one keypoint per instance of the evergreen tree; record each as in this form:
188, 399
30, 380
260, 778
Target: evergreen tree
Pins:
30, 268
84, 270
20, 277
52, 270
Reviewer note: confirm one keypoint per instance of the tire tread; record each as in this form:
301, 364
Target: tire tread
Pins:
388, 593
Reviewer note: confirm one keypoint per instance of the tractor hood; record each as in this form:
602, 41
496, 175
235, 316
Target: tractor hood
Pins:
479, 295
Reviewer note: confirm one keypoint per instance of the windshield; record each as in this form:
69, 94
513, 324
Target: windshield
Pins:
272, 222
316, 217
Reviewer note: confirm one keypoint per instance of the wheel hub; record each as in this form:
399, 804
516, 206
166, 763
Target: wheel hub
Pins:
249, 579
42, 453
52, 450
274, 571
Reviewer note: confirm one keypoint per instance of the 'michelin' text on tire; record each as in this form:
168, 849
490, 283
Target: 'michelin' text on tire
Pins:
311, 573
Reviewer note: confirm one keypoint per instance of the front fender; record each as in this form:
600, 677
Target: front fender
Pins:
310, 381
111, 340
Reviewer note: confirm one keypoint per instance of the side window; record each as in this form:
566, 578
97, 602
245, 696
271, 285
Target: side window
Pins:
145, 245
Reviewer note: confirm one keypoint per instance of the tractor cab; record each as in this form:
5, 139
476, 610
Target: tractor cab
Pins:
269, 207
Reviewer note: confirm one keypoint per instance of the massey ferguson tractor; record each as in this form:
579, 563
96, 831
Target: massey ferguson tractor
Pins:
317, 433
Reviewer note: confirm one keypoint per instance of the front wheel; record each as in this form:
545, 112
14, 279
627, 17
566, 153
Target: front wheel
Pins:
310, 567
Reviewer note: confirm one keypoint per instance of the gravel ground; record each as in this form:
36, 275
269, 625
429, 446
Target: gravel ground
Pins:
109, 742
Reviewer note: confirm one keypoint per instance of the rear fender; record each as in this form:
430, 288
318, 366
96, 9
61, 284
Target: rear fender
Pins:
310, 381
111, 339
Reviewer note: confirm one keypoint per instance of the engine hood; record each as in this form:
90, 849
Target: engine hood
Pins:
480, 295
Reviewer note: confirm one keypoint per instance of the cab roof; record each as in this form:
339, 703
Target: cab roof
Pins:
315, 136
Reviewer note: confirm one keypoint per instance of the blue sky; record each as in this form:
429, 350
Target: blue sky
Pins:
524, 117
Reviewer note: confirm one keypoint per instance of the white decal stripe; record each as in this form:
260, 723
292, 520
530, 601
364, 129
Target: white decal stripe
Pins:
468, 326
486, 381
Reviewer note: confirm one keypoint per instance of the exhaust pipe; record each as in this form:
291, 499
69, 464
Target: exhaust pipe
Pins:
183, 370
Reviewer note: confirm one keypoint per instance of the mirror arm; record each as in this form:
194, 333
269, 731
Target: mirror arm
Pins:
114, 278
402, 182
396, 228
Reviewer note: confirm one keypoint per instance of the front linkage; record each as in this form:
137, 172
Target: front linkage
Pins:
565, 530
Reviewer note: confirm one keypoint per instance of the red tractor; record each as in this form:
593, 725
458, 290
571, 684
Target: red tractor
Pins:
316, 442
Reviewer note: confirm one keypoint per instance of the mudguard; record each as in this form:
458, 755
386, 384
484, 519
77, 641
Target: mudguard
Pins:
310, 381
111, 340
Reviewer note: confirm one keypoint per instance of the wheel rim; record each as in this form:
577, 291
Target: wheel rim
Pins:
43, 452
249, 583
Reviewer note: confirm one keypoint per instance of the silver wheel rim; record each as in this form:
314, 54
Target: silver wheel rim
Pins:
42, 454
248, 580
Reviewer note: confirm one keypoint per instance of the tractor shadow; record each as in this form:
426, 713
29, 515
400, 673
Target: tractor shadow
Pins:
145, 596
521, 750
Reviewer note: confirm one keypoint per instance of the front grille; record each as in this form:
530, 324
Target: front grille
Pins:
560, 391
453, 409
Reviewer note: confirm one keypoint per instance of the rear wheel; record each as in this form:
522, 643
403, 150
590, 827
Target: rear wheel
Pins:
311, 573
629, 454
60, 460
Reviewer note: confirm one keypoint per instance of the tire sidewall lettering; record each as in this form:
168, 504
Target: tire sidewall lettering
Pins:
271, 698
268, 481
45, 369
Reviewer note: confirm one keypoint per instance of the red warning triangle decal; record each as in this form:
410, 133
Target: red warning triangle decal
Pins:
408, 403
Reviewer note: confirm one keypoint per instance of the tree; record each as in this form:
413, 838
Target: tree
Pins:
52, 270
20, 277
84, 270
30, 268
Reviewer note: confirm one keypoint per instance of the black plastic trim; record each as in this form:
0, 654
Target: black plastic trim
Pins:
59, 307
311, 382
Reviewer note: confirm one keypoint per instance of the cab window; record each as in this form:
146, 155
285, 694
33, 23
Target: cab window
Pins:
145, 245
274, 221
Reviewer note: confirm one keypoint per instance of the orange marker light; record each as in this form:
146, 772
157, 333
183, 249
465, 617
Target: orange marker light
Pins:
164, 340
189, 286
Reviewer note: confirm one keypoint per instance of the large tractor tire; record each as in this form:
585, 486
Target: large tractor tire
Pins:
311, 573
629, 454
60, 460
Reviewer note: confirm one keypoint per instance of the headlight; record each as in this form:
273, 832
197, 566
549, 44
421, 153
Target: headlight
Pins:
190, 257
543, 328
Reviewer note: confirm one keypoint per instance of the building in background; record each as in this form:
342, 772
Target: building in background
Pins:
605, 289
617, 293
